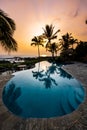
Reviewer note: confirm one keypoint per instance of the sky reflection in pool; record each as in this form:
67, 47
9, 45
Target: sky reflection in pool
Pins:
42, 92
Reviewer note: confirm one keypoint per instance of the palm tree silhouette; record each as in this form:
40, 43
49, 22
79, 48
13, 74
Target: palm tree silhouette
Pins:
65, 41
67, 45
7, 27
49, 34
37, 41
53, 48
72, 42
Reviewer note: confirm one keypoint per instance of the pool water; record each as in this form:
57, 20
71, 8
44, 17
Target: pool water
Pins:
42, 92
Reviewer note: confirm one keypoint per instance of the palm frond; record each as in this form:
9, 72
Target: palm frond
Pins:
53, 37
7, 27
56, 32
41, 44
7, 21
9, 43
33, 44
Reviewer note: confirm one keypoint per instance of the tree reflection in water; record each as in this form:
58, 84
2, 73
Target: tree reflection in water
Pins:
38, 74
10, 96
46, 76
53, 69
48, 81
64, 74
58, 70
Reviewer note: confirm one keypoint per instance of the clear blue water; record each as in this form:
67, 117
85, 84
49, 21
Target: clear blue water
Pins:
42, 92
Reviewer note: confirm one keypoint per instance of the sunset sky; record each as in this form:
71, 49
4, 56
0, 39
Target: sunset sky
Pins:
31, 15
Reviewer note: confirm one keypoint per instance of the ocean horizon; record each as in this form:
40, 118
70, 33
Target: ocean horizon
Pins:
22, 56
12, 56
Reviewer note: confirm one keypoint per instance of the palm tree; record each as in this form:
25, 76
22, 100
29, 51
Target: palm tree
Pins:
49, 34
37, 41
65, 41
67, 48
73, 41
7, 27
53, 48
68, 41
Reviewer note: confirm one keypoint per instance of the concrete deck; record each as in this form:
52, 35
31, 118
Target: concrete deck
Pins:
74, 121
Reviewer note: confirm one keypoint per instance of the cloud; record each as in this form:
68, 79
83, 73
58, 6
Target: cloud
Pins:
76, 13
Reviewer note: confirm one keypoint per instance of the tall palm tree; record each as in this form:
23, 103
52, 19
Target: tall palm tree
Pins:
37, 41
7, 27
49, 34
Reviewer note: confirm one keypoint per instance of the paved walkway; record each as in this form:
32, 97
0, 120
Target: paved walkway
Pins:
74, 121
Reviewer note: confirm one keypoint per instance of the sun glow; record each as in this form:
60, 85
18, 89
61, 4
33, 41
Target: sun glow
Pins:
43, 55
38, 29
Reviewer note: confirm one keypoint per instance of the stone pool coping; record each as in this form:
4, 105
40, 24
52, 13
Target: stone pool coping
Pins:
74, 121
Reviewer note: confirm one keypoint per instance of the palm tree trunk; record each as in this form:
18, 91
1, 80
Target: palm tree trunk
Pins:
53, 55
72, 46
38, 66
38, 52
56, 53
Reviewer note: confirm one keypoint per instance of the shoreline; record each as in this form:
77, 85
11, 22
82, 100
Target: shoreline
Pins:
77, 120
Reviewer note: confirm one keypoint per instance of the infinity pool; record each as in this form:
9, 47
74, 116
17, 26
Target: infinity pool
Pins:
42, 92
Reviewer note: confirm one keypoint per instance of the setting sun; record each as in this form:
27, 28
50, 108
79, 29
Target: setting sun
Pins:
37, 29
